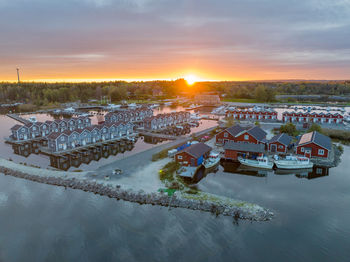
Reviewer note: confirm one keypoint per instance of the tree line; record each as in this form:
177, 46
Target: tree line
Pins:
48, 93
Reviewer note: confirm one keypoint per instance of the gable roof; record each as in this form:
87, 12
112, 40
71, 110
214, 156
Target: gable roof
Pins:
317, 138
234, 130
56, 135
16, 127
246, 147
282, 138
196, 150
257, 132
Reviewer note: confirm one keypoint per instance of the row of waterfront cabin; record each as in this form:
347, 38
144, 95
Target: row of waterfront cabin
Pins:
95, 133
128, 115
165, 120
303, 117
43, 129
238, 140
252, 115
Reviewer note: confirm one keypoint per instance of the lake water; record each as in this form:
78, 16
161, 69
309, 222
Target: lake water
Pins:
47, 223
312, 223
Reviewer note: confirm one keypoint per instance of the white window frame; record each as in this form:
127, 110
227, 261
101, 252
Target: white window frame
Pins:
246, 137
321, 152
179, 157
225, 134
302, 149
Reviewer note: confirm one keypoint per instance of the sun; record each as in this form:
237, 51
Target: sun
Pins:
191, 79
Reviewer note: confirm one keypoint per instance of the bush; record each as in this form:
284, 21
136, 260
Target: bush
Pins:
315, 127
340, 148
289, 129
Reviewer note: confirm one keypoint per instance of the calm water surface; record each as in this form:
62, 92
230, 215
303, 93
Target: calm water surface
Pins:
45, 223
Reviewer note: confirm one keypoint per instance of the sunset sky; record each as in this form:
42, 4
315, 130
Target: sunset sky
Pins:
168, 39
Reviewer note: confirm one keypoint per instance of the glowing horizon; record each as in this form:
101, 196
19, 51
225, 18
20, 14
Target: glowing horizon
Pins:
61, 41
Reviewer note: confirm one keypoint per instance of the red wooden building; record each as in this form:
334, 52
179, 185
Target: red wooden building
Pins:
314, 144
255, 115
235, 149
279, 143
305, 117
237, 133
193, 155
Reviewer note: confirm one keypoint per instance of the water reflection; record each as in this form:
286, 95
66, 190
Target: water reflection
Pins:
310, 173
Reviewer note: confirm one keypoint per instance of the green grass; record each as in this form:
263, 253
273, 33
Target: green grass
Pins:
161, 155
342, 136
167, 172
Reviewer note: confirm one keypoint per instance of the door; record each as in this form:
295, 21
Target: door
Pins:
307, 153
193, 162
273, 148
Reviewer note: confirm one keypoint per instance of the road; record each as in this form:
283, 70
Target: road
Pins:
144, 158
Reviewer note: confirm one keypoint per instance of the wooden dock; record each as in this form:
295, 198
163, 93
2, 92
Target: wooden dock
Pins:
18, 118
49, 152
157, 135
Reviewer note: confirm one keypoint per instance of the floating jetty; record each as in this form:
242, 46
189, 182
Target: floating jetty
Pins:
201, 201
18, 118
75, 156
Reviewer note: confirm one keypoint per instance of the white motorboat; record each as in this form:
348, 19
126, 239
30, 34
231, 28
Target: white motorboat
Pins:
112, 106
260, 162
212, 161
69, 110
294, 162
195, 116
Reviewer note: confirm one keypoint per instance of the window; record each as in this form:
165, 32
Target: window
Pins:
246, 137
321, 152
280, 146
318, 171
225, 135
179, 157
302, 149
62, 138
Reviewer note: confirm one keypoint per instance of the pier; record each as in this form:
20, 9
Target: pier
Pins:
18, 118
157, 135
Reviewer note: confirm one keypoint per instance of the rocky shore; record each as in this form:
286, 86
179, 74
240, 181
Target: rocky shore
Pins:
209, 203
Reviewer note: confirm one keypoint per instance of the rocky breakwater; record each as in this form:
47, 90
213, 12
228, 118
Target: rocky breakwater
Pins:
200, 201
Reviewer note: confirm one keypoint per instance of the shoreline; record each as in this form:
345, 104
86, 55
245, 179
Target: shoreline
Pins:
77, 180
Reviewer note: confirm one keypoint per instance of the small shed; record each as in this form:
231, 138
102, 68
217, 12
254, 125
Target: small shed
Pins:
193, 155
279, 143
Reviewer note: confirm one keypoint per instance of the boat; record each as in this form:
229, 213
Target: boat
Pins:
260, 162
212, 161
195, 116
112, 106
33, 119
69, 110
294, 162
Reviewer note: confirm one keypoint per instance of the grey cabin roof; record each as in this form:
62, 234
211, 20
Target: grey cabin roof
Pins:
317, 138
282, 138
16, 127
234, 130
196, 150
246, 147
257, 132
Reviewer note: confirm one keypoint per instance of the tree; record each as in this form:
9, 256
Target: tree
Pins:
289, 129
315, 127
257, 123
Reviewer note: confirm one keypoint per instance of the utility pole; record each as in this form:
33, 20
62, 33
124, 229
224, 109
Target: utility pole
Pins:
18, 75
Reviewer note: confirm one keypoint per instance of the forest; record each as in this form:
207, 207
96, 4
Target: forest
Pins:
41, 94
